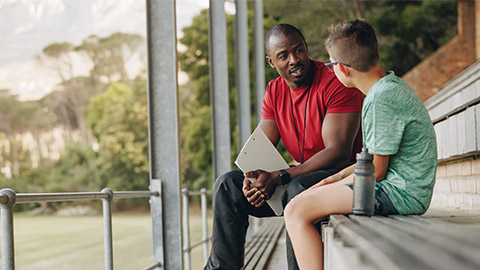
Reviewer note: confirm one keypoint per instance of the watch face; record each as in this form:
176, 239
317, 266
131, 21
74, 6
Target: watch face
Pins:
284, 176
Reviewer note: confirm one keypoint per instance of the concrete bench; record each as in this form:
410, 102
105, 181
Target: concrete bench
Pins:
398, 242
261, 245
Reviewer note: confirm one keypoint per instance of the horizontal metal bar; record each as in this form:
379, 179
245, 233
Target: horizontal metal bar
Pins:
134, 194
59, 197
153, 266
193, 193
196, 244
77, 196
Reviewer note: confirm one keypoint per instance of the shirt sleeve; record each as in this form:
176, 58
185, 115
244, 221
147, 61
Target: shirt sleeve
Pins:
382, 129
268, 111
341, 99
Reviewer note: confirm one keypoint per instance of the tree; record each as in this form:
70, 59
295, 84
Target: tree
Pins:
109, 55
118, 119
17, 118
195, 111
402, 45
408, 31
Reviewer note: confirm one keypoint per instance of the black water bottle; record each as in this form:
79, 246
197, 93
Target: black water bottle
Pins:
364, 184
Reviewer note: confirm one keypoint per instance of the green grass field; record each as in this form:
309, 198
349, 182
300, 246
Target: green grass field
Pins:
76, 242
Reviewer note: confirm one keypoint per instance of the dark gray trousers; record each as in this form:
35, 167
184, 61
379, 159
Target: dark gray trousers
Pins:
230, 217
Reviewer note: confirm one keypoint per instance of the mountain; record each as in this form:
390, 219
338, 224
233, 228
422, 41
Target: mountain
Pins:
28, 26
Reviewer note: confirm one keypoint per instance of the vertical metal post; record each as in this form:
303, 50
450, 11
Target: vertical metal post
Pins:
107, 228
219, 87
259, 58
186, 230
163, 133
204, 224
242, 80
8, 252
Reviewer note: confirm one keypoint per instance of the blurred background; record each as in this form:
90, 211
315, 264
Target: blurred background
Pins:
73, 98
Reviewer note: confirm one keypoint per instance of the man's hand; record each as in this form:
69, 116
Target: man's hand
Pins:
266, 182
253, 195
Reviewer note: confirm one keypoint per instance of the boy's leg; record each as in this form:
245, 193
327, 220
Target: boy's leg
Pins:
230, 221
295, 187
304, 211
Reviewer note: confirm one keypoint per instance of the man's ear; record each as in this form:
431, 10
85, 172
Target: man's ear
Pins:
270, 62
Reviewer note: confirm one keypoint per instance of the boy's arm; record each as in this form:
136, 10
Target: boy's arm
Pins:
381, 165
379, 162
336, 177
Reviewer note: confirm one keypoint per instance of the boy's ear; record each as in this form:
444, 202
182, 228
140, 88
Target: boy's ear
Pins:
344, 69
270, 62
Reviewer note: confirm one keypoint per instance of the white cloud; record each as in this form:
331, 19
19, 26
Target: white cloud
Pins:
24, 28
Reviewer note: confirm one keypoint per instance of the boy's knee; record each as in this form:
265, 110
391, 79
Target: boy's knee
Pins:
292, 213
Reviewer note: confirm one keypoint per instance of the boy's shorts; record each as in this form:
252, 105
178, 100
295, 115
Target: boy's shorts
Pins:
383, 204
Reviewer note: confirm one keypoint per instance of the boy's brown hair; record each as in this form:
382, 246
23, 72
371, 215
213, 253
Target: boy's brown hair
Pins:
354, 43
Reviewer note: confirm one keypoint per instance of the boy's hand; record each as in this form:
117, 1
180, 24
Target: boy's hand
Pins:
329, 180
253, 195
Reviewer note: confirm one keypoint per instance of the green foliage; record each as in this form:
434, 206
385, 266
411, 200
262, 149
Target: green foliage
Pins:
195, 111
408, 31
109, 55
74, 171
56, 50
118, 119
113, 109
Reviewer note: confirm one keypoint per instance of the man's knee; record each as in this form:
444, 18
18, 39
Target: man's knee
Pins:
228, 185
228, 180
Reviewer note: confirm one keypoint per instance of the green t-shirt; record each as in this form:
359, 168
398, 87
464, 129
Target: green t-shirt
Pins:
396, 123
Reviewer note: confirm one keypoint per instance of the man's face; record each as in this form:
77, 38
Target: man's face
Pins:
289, 56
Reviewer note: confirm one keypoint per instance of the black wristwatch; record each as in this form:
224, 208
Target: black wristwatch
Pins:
284, 177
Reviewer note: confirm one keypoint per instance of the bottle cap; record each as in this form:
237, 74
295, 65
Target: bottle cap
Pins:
364, 155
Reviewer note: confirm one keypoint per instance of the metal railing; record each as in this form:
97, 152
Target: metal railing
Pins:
8, 199
187, 248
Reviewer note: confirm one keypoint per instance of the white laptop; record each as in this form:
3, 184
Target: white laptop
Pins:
259, 153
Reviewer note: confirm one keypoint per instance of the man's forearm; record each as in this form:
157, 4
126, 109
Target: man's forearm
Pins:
328, 158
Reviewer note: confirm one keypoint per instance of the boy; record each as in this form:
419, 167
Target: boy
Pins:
397, 130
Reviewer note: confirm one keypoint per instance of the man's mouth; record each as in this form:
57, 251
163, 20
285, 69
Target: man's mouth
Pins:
297, 70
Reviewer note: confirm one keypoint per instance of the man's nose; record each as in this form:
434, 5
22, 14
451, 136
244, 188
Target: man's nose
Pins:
293, 59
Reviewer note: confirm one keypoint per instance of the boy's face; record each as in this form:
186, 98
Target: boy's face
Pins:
345, 80
289, 56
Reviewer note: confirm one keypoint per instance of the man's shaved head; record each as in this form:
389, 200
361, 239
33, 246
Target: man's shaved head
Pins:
282, 29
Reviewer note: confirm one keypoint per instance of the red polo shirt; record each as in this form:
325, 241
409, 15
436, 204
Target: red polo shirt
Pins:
327, 95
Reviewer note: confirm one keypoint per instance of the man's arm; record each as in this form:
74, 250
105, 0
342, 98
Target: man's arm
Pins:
269, 127
338, 133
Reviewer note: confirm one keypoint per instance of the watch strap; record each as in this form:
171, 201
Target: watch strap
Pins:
284, 177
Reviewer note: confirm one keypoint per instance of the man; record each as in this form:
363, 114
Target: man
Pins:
318, 120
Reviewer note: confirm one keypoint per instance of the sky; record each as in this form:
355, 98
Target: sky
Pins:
27, 26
